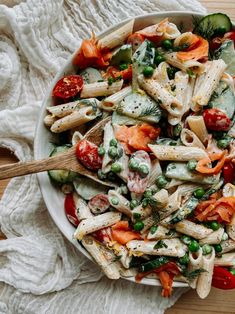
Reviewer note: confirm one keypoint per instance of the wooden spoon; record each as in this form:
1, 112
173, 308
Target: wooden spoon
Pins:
63, 161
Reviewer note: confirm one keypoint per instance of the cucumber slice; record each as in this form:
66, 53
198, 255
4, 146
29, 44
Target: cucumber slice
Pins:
88, 188
179, 171
213, 25
227, 53
223, 98
123, 120
91, 75
122, 55
61, 176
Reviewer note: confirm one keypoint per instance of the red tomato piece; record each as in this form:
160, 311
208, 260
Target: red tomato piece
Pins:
223, 279
99, 203
70, 209
87, 154
216, 120
169, 267
135, 40
103, 235
229, 172
68, 86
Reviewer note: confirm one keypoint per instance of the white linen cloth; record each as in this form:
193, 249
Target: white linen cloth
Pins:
40, 271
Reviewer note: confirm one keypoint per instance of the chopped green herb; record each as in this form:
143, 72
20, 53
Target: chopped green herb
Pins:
193, 274
160, 244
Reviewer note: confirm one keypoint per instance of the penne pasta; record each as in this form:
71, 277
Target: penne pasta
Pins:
108, 136
77, 137
117, 37
100, 89
231, 228
156, 171
161, 233
190, 65
123, 254
195, 262
197, 125
102, 256
177, 153
49, 120
228, 246
74, 119
119, 202
110, 103
229, 190
192, 229
205, 278
95, 223
214, 237
190, 139
83, 211
227, 259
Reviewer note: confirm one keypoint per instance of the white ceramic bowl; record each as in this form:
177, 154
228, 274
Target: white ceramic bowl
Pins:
53, 198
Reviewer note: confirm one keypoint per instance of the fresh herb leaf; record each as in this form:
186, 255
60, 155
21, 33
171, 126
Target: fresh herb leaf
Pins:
160, 244
206, 31
191, 73
193, 274
171, 232
149, 111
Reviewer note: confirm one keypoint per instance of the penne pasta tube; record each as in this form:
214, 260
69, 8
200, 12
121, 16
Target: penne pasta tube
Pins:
172, 206
229, 190
75, 119
49, 120
195, 262
102, 256
228, 245
130, 272
110, 103
140, 210
95, 223
231, 228
100, 89
119, 202
83, 211
205, 278
156, 171
190, 139
227, 259
185, 66
192, 229
108, 136
123, 161
177, 153
123, 254
148, 223
162, 198
197, 125
184, 38
168, 247
158, 92
212, 78
117, 37
213, 238
161, 233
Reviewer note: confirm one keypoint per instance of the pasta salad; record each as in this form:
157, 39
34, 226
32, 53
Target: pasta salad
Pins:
168, 147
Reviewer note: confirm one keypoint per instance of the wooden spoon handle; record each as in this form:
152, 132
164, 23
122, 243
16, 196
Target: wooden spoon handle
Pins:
35, 166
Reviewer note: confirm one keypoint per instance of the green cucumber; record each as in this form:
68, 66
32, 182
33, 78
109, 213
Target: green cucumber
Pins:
88, 188
180, 171
121, 119
61, 176
213, 25
91, 75
227, 53
185, 210
223, 98
122, 55
156, 263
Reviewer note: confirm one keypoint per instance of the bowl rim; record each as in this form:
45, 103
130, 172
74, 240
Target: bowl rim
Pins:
40, 176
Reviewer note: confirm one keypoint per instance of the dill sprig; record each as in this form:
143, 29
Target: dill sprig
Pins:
149, 111
206, 30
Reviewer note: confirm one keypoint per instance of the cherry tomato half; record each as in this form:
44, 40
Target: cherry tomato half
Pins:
70, 209
216, 120
223, 279
68, 86
87, 154
229, 172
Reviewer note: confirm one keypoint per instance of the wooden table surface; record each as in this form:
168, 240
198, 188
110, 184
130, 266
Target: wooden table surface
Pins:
218, 302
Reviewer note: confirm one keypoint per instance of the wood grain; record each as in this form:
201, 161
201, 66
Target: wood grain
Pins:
218, 302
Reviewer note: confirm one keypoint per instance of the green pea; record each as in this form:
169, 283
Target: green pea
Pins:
123, 66
145, 202
224, 236
214, 225
159, 59
148, 193
101, 151
218, 248
113, 152
193, 246
148, 71
167, 44
186, 239
153, 229
101, 175
133, 164
138, 226
113, 142
114, 201
116, 167
198, 193
206, 249
232, 271
192, 164
184, 260
143, 170
120, 152
177, 130
161, 182
133, 204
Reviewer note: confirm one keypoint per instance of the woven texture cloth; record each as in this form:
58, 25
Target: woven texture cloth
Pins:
40, 271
